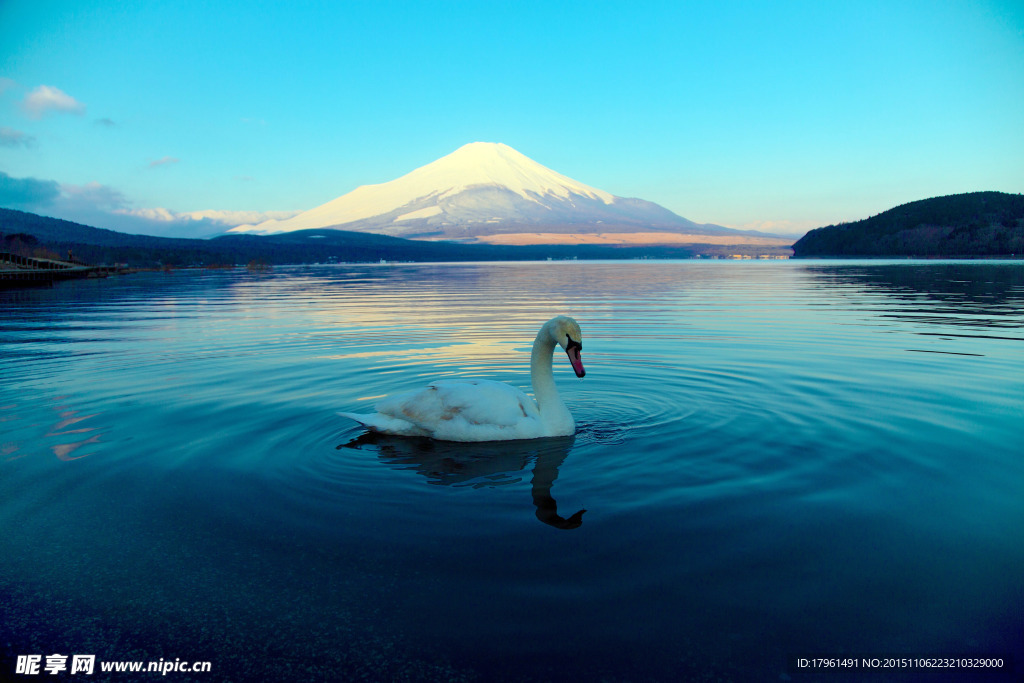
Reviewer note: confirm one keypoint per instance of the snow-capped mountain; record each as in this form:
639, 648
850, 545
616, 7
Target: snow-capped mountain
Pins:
484, 188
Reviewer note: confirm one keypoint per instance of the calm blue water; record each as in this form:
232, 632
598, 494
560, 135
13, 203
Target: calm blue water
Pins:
776, 459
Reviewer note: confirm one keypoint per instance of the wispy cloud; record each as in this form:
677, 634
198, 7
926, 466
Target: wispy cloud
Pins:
97, 205
15, 138
234, 218
87, 203
46, 99
222, 217
6, 84
163, 162
107, 207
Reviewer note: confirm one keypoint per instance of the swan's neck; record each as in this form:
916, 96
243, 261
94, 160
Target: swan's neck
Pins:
552, 409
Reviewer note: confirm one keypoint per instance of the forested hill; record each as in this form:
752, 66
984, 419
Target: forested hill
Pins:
961, 225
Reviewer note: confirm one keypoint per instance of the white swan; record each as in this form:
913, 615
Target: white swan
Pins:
484, 410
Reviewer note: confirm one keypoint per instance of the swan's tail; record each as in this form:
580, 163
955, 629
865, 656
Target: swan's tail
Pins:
385, 424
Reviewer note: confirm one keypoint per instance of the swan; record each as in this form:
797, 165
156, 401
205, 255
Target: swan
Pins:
485, 410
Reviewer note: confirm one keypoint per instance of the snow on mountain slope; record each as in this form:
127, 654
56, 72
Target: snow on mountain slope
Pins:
480, 188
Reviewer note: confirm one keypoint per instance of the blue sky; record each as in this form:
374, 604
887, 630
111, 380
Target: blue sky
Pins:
780, 115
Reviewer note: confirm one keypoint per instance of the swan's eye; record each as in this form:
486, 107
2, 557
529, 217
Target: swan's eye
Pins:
572, 343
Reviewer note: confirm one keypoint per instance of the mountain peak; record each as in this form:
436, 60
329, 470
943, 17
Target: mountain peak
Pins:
477, 154
484, 148
495, 163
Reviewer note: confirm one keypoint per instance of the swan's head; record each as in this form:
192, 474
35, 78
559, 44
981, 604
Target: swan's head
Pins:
566, 333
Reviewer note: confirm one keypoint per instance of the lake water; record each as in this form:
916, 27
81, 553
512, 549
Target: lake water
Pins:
776, 459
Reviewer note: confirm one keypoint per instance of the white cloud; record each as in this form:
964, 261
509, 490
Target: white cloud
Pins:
164, 162
15, 138
158, 214
46, 99
234, 218
221, 217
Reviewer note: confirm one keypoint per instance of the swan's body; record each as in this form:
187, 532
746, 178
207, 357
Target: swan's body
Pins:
484, 410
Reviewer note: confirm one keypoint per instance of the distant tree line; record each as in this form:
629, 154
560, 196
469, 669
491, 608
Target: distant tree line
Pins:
23, 244
99, 246
963, 225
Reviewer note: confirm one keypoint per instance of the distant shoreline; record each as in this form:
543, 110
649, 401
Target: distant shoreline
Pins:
939, 257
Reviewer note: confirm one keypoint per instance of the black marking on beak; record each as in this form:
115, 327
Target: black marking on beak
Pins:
572, 349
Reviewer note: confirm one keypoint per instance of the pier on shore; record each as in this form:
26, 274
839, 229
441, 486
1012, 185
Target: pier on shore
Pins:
27, 271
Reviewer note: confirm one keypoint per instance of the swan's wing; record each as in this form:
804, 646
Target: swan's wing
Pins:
481, 401
466, 410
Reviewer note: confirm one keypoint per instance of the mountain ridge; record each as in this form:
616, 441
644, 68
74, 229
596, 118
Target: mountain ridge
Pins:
482, 189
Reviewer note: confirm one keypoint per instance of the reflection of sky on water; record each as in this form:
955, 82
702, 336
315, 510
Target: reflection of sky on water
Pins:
479, 349
65, 438
72, 418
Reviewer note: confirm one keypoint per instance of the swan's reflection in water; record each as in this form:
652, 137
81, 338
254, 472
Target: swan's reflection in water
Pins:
480, 464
